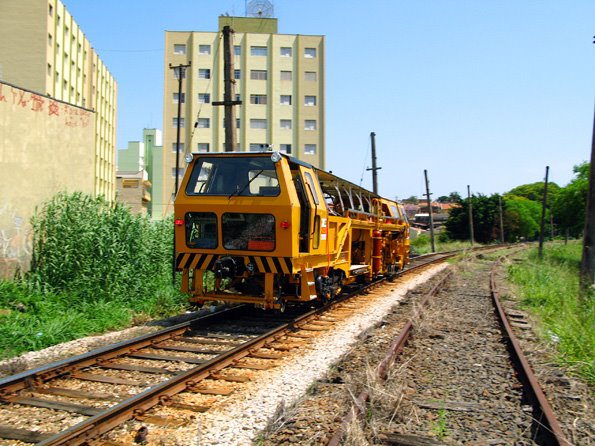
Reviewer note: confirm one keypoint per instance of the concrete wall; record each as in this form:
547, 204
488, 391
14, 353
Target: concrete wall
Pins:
22, 24
46, 146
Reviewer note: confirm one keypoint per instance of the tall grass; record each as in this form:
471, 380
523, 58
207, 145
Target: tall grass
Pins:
422, 244
549, 288
96, 266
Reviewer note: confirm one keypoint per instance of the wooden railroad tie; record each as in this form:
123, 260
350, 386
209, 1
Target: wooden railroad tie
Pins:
136, 368
106, 379
10, 433
67, 407
139, 355
74, 393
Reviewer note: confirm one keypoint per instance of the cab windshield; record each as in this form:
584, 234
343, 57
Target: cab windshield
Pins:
231, 176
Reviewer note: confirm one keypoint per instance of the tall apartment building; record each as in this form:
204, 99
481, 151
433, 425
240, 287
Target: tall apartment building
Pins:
279, 79
44, 50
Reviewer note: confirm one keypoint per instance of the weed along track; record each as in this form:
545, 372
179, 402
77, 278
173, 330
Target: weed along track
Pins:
167, 386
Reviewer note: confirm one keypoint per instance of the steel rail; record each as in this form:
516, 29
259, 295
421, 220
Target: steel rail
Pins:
36, 376
160, 394
552, 429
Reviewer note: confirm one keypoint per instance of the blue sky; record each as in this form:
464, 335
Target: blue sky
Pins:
483, 92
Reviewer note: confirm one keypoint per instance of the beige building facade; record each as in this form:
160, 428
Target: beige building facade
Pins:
278, 77
45, 148
43, 49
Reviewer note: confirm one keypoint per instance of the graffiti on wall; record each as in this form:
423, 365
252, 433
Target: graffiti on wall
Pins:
15, 242
73, 116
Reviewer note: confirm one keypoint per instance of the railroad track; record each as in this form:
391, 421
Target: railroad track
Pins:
184, 368
522, 414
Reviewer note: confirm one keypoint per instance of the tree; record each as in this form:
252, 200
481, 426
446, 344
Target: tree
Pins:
534, 191
521, 218
569, 204
485, 219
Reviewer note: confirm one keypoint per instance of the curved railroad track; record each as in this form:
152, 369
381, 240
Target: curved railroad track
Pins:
464, 376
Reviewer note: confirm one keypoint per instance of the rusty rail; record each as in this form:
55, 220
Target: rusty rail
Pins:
550, 428
359, 407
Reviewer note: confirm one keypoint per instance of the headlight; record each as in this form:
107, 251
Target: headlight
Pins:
188, 158
276, 157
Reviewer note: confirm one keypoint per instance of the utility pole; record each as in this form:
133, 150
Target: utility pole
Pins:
229, 92
471, 235
501, 220
543, 206
181, 71
430, 211
374, 168
587, 273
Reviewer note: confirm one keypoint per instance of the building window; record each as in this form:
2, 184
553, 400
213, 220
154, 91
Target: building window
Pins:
285, 148
258, 75
310, 76
310, 53
180, 172
310, 101
177, 72
285, 124
203, 147
286, 51
258, 99
285, 99
179, 48
238, 97
176, 97
50, 40
258, 123
286, 75
51, 11
310, 149
204, 123
310, 124
258, 147
204, 50
237, 74
49, 69
237, 50
204, 98
258, 51
174, 122
204, 73
173, 147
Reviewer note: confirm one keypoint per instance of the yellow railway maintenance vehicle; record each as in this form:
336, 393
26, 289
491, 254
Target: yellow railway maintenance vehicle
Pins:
270, 229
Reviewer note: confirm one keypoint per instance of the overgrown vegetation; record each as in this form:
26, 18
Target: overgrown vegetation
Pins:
549, 288
422, 244
96, 266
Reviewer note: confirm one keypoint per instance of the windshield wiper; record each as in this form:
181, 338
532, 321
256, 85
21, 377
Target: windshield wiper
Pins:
239, 191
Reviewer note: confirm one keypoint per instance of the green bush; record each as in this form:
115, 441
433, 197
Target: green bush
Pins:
422, 244
96, 266
549, 288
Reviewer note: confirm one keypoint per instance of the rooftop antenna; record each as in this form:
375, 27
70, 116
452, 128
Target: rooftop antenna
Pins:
259, 8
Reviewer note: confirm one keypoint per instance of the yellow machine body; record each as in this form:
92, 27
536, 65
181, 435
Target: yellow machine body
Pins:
267, 229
